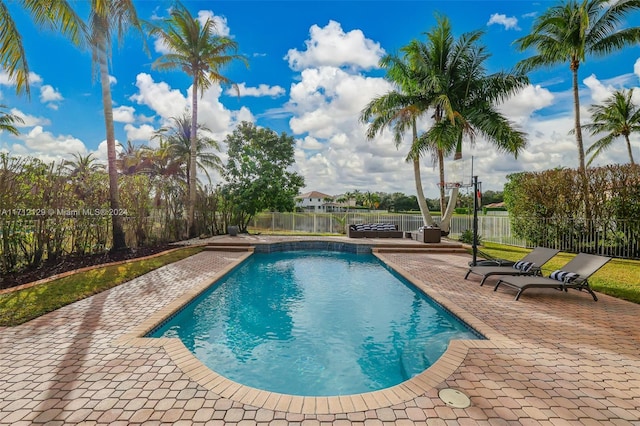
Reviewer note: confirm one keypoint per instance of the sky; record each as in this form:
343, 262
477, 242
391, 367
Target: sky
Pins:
312, 68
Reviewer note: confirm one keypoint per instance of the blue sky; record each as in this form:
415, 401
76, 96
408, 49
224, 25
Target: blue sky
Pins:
312, 68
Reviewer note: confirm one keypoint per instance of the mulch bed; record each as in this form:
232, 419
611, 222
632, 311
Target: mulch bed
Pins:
70, 263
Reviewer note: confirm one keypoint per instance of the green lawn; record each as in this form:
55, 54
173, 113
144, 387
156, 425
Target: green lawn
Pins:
23, 305
619, 278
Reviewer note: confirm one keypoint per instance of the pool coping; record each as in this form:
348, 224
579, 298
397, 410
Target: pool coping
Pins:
406, 391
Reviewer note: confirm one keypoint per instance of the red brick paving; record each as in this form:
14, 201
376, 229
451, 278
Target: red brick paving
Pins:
553, 359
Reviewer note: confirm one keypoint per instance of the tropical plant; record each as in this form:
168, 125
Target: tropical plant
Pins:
448, 76
176, 137
109, 19
198, 51
51, 14
8, 121
83, 164
616, 116
399, 109
133, 159
464, 100
568, 33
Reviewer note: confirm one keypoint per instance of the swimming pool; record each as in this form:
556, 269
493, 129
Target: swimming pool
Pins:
315, 323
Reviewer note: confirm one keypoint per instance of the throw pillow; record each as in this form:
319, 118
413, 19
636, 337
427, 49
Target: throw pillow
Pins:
523, 266
564, 276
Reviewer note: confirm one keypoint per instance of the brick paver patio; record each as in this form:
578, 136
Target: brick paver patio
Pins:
552, 359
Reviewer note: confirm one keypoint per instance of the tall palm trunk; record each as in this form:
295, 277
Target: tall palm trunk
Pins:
191, 225
119, 242
626, 138
582, 170
445, 221
422, 202
441, 177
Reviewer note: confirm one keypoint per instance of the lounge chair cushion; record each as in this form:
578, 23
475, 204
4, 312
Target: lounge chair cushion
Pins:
523, 266
564, 276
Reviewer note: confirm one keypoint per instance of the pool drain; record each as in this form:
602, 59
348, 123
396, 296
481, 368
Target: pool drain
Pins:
454, 398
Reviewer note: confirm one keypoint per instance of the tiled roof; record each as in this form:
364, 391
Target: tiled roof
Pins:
314, 194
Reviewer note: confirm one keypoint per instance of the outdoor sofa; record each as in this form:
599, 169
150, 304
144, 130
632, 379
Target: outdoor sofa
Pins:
374, 230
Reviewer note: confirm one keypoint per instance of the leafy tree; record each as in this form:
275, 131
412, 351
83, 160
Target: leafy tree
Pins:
568, 33
8, 121
199, 52
109, 19
257, 173
617, 116
50, 14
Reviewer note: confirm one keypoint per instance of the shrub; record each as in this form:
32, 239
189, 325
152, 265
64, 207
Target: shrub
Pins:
467, 237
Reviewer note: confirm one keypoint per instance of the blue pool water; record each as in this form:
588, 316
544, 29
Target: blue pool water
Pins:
315, 323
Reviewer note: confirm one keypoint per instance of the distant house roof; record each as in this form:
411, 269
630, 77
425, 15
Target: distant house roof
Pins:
314, 194
492, 205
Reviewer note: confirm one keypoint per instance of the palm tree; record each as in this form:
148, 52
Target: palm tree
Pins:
569, 32
617, 116
464, 99
82, 165
400, 109
447, 76
109, 19
134, 159
51, 14
178, 140
8, 121
198, 51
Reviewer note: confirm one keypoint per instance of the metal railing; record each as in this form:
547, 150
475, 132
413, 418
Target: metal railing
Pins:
610, 238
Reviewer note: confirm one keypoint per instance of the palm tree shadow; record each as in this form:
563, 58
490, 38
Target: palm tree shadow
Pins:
71, 366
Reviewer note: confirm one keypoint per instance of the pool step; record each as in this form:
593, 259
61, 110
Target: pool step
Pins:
447, 248
229, 247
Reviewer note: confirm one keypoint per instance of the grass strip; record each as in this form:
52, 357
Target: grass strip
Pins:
618, 278
23, 305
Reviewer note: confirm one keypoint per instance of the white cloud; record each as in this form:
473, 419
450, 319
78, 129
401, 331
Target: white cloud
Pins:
143, 133
46, 145
34, 79
331, 46
124, 114
636, 67
220, 22
168, 103
261, 90
159, 97
49, 94
521, 105
599, 91
101, 152
113, 80
509, 23
29, 120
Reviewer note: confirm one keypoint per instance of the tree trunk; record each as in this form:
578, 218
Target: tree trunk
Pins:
582, 170
422, 202
626, 138
441, 177
119, 242
445, 222
191, 225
